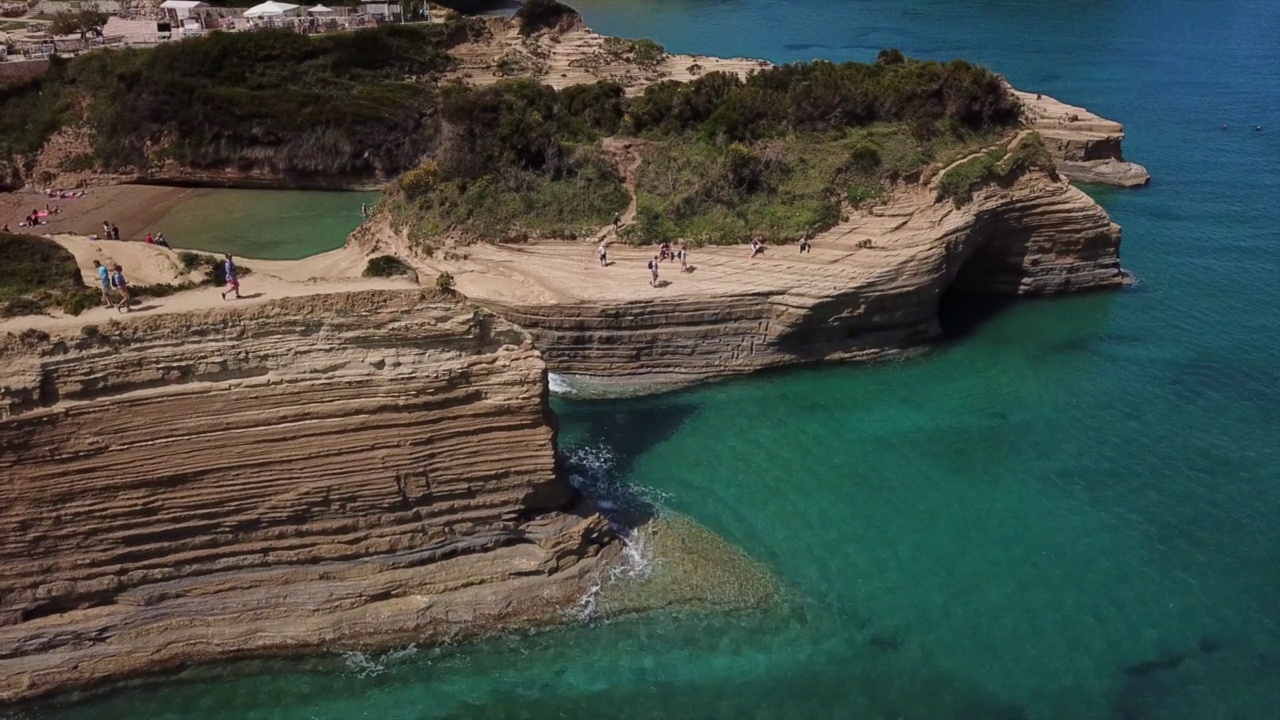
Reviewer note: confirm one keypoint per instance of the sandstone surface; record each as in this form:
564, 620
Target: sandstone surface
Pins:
318, 471
871, 286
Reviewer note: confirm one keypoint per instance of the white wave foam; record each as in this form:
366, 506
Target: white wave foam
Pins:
593, 472
559, 385
372, 665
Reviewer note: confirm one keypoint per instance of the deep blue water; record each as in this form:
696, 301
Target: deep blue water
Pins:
1072, 511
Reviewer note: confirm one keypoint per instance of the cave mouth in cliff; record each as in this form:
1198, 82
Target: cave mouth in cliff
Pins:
962, 312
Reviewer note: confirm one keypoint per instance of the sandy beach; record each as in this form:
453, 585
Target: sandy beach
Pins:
130, 207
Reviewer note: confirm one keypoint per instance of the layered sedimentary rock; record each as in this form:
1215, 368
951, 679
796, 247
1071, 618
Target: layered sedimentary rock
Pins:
871, 286
312, 472
1086, 147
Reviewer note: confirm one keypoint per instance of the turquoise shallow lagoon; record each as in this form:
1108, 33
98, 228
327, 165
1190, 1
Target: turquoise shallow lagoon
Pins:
1070, 510
267, 224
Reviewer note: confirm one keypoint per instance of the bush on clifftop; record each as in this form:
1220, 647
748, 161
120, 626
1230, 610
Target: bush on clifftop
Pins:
537, 15
39, 274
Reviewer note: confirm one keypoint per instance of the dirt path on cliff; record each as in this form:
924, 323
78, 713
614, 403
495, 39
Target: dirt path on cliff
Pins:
625, 153
332, 272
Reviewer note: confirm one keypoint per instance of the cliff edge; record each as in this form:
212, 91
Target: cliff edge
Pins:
872, 285
322, 471
1086, 147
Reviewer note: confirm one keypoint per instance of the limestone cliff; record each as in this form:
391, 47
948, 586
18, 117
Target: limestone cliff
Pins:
332, 470
871, 286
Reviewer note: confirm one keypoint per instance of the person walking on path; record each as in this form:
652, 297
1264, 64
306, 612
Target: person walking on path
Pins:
683, 256
617, 222
229, 272
122, 287
104, 279
603, 252
653, 271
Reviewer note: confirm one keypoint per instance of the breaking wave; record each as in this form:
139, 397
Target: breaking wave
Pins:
559, 385
365, 664
592, 470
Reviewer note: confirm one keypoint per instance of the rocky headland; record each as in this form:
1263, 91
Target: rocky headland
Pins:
340, 461
871, 287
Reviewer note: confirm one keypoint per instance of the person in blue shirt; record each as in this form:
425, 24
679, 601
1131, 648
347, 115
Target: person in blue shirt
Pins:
104, 279
122, 287
233, 283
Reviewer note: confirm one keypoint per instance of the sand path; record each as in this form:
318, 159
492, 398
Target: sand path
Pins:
332, 272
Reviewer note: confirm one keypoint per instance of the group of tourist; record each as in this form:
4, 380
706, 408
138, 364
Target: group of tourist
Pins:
38, 217
681, 255
109, 231
115, 289
113, 279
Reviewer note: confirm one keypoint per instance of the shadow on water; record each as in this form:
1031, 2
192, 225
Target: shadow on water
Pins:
622, 432
961, 313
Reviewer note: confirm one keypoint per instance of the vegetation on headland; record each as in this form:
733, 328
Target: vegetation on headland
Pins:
959, 181
357, 104
778, 154
39, 275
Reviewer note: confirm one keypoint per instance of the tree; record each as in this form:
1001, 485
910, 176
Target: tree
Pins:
84, 22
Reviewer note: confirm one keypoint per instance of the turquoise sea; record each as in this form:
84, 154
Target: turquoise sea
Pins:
1071, 509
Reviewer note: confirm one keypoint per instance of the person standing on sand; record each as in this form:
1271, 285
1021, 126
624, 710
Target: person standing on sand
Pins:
603, 252
233, 283
683, 256
117, 279
115, 232
804, 245
653, 271
104, 279
106, 230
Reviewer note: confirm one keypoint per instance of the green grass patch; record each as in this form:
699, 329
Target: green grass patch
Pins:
960, 181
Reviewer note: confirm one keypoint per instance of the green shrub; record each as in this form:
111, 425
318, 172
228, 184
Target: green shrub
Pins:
537, 15
444, 282
38, 274
191, 261
385, 266
339, 103
647, 53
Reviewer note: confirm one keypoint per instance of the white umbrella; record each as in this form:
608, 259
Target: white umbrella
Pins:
319, 10
270, 9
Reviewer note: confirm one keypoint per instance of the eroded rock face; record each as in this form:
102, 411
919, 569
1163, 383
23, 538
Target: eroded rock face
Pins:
871, 287
314, 472
1086, 147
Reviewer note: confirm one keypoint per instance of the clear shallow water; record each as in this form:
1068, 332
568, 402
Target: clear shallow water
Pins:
267, 224
1069, 489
